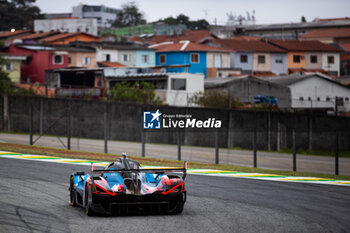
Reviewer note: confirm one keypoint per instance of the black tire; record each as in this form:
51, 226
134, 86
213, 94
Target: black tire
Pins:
73, 195
88, 209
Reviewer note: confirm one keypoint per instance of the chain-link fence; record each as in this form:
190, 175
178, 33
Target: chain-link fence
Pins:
272, 140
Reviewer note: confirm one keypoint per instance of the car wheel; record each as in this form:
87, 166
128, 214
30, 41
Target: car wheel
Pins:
88, 199
73, 201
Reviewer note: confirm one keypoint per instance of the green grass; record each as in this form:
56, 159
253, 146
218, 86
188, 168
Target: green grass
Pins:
26, 149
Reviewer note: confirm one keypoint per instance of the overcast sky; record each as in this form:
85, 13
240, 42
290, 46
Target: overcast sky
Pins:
267, 11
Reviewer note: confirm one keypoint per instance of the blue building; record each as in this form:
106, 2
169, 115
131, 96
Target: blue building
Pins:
190, 57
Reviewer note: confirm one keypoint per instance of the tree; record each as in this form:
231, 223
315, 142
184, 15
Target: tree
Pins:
201, 24
129, 16
142, 93
303, 19
215, 99
18, 14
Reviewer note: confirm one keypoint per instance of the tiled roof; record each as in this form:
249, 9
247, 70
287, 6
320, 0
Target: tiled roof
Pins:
332, 33
333, 19
185, 46
110, 64
7, 34
64, 35
247, 46
345, 57
304, 46
246, 38
346, 46
36, 35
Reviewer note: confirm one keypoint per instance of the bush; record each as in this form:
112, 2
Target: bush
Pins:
216, 99
142, 93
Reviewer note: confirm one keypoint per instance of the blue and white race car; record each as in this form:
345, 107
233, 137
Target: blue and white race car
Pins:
124, 188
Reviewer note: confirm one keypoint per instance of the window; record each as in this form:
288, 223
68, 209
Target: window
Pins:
309, 98
301, 98
296, 58
261, 59
313, 59
86, 60
244, 58
347, 99
9, 66
327, 98
178, 84
107, 57
330, 59
144, 58
86, 29
279, 61
318, 99
194, 58
78, 29
69, 60
57, 59
162, 59
217, 61
125, 57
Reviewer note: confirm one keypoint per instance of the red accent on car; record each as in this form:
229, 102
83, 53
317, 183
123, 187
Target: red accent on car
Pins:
170, 190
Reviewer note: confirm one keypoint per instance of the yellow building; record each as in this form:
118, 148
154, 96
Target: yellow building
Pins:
13, 66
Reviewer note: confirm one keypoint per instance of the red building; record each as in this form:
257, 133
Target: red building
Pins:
39, 59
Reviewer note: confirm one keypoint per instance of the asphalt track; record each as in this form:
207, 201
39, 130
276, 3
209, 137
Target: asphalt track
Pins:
34, 198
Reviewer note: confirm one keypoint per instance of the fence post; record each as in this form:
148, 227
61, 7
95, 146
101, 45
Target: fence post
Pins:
254, 148
105, 127
68, 125
31, 124
217, 147
337, 154
294, 152
269, 131
178, 145
41, 115
278, 136
310, 133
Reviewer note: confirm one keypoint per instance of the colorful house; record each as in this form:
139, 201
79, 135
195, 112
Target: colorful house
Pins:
310, 56
66, 38
13, 66
79, 56
186, 56
39, 58
253, 56
127, 54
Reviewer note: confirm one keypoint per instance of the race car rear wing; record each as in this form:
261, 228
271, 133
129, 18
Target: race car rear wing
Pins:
182, 170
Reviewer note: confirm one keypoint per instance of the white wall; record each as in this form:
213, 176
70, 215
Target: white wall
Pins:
100, 55
194, 84
315, 87
331, 67
66, 25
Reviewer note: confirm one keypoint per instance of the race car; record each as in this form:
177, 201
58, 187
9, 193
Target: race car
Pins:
125, 188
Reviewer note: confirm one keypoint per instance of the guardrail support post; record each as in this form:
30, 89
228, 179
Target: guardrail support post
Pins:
337, 154
217, 147
178, 145
105, 126
294, 152
68, 125
31, 124
254, 149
